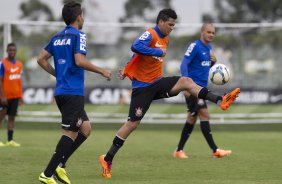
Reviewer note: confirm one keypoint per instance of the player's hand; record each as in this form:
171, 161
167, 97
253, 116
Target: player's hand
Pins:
107, 74
213, 58
164, 52
121, 74
4, 101
20, 102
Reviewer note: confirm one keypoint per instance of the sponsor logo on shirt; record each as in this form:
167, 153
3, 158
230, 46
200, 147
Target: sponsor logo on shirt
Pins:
145, 35
206, 63
14, 76
61, 42
158, 45
160, 59
190, 49
14, 69
82, 42
61, 61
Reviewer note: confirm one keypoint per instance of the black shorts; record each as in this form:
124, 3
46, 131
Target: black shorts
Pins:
194, 104
12, 107
72, 110
142, 98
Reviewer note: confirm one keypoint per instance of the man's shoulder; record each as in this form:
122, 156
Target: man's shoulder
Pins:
76, 31
69, 31
3, 61
197, 42
194, 45
19, 62
197, 45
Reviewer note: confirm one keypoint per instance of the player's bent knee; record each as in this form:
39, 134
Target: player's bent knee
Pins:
85, 128
186, 82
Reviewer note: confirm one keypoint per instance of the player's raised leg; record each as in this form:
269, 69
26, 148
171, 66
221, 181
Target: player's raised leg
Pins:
187, 84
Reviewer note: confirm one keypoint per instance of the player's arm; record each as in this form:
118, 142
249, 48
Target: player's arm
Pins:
184, 66
188, 57
212, 58
141, 46
21, 86
121, 73
3, 97
42, 60
81, 61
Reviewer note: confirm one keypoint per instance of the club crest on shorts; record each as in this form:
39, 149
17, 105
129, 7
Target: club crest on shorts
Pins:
79, 122
138, 112
201, 102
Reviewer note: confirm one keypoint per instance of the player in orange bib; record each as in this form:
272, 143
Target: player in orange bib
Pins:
150, 67
148, 83
10, 90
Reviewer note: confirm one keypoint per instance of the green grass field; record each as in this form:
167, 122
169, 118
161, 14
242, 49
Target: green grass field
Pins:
146, 157
164, 108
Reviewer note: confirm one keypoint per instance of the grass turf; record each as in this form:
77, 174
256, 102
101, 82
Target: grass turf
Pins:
146, 157
162, 108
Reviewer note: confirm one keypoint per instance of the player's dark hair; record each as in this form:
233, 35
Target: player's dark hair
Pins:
70, 12
165, 14
11, 45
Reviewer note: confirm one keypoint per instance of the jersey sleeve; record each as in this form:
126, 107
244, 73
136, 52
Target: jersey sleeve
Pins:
81, 43
1, 69
141, 46
190, 53
49, 47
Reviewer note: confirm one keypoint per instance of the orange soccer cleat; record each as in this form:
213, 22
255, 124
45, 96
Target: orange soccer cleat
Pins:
106, 167
221, 153
179, 154
229, 98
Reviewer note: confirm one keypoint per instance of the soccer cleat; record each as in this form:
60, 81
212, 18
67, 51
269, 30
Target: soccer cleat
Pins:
46, 180
2, 144
179, 154
13, 144
61, 175
221, 153
106, 167
229, 98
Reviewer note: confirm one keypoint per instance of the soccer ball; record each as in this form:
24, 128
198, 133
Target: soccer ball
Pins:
219, 74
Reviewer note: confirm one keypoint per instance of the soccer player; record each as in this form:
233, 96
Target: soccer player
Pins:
148, 83
68, 48
10, 91
196, 64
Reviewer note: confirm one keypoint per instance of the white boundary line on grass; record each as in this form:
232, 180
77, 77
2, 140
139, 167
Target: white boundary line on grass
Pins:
156, 118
